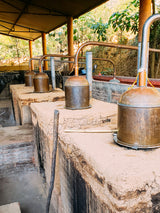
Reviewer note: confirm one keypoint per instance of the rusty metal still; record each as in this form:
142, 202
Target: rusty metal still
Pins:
139, 108
77, 93
29, 78
41, 82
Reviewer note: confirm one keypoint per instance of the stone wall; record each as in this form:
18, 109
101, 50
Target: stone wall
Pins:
108, 91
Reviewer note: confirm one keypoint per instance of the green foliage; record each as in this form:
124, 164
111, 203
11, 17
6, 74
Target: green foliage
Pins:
100, 29
127, 19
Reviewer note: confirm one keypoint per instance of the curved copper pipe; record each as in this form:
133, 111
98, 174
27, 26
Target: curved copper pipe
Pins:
52, 55
96, 43
105, 59
30, 67
145, 51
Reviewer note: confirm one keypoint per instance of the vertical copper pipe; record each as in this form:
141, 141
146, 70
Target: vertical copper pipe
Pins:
31, 54
44, 45
70, 40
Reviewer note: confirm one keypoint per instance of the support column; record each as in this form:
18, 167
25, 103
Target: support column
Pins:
31, 53
44, 46
144, 13
89, 70
70, 40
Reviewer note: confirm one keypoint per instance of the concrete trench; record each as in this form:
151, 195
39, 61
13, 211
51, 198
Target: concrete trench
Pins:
92, 173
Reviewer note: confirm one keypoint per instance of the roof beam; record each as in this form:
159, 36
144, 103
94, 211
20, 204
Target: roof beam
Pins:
29, 13
4, 27
18, 25
48, 9
19, 31
19, 37
21, 13
6, 2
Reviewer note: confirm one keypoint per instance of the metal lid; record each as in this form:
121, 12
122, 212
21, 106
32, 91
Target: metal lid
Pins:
41, 75
29, 73
76, 81
141, 97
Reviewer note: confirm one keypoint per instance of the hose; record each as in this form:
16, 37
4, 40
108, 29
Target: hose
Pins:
55, 140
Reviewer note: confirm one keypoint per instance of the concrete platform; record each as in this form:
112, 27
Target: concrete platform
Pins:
16, 149
101, 114
23, 96
10, 208
93, 174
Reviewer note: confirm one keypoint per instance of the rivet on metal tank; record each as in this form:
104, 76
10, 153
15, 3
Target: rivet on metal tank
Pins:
139, 108
41, 82
29, 78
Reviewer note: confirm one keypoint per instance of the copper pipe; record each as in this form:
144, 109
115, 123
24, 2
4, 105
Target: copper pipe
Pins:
93, 43
52, 55
96, 43
145, 51
30, 60
70, 39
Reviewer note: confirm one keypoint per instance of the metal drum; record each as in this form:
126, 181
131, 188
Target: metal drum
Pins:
77, 93
41, 82
139, 118
29, 78
139, 108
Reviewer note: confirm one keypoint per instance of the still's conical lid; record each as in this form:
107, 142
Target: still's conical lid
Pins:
141, 97
41, 75
76, 81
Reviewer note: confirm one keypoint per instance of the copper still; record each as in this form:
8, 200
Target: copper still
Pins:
41, 82
139, 108
77, 93
29, 75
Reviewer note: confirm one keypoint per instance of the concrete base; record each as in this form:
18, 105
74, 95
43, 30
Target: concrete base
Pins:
23, 96
93, 174
16, 150
101, 114
10, 208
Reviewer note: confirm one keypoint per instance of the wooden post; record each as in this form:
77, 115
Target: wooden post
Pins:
144, 13
31, 53
70, 40
44, 46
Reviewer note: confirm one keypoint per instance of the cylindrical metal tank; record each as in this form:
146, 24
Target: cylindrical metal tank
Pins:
77, 93
139, 118
29, 78
139, 108
41, 82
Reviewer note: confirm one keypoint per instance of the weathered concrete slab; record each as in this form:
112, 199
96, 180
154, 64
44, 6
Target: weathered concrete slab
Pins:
15, 90
10, 208
101, 114
16, 149
93, 173
23, 96
121, 179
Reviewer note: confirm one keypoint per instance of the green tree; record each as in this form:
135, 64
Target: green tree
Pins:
127, 19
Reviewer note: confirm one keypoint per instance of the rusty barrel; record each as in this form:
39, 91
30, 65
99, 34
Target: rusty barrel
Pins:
77, 93
139, 118
41, 82
29, 78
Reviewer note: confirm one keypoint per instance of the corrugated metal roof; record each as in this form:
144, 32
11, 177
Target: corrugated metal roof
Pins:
27, 19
